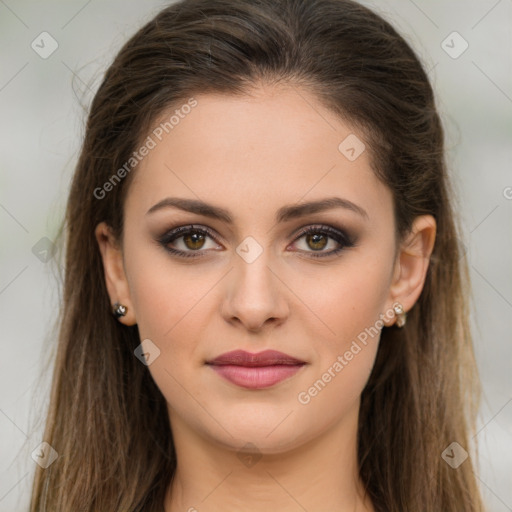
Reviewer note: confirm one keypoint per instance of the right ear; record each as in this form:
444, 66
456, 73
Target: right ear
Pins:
115, 277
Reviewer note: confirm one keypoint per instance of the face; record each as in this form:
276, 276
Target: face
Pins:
199, 286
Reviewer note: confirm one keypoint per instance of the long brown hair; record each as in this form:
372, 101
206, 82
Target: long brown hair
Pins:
107, 419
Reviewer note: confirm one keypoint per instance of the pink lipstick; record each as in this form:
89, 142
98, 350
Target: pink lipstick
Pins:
255, 371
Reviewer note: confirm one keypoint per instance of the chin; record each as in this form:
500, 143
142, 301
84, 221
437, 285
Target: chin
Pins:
264, 435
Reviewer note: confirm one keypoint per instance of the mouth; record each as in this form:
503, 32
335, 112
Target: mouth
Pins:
255, 371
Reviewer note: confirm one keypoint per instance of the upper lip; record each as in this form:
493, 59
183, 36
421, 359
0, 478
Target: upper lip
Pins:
265, 358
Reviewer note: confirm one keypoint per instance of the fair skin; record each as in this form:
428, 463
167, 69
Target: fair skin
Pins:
252, 155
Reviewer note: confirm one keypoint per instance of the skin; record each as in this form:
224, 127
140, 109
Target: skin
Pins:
253, 154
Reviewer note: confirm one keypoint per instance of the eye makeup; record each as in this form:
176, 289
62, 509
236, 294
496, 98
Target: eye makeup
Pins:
194, 233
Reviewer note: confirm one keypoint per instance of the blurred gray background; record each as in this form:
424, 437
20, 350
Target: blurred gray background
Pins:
41, 123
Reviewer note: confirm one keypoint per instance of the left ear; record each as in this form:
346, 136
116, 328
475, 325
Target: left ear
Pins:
412, 263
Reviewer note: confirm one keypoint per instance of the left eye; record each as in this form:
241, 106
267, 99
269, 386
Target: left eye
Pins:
316, 238
192, 241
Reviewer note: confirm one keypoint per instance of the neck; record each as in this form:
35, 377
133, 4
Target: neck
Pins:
321, 474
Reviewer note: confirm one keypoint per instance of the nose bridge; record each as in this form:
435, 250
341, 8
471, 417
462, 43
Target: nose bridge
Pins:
253, 277
254, 292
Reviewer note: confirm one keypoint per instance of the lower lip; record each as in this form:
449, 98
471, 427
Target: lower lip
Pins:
256, 377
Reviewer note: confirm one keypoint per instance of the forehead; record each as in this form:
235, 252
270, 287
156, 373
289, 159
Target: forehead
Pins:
256, 152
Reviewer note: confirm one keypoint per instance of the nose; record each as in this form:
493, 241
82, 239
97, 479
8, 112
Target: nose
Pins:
255, 296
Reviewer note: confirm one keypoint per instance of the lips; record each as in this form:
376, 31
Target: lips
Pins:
265, 358
255, 371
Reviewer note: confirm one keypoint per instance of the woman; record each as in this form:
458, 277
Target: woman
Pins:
265, 302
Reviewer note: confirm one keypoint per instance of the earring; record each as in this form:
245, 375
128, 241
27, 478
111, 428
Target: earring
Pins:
400, 314
119, 310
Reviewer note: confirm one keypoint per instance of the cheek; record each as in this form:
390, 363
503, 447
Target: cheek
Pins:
343, 362
345, 299
170, 308
350, 306
165, 296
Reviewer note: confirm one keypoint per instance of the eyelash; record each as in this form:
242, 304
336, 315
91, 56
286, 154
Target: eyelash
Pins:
341, 237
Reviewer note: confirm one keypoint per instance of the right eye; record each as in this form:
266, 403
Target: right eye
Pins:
192, 240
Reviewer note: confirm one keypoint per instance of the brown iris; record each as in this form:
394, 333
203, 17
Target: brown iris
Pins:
196, 240
319, 241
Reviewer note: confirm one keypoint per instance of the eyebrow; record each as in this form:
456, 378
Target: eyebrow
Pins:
284, 214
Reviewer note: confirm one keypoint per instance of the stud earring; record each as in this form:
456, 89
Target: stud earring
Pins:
401, 316
119, 310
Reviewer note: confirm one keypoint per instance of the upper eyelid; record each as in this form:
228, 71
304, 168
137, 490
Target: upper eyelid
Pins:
179, 231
